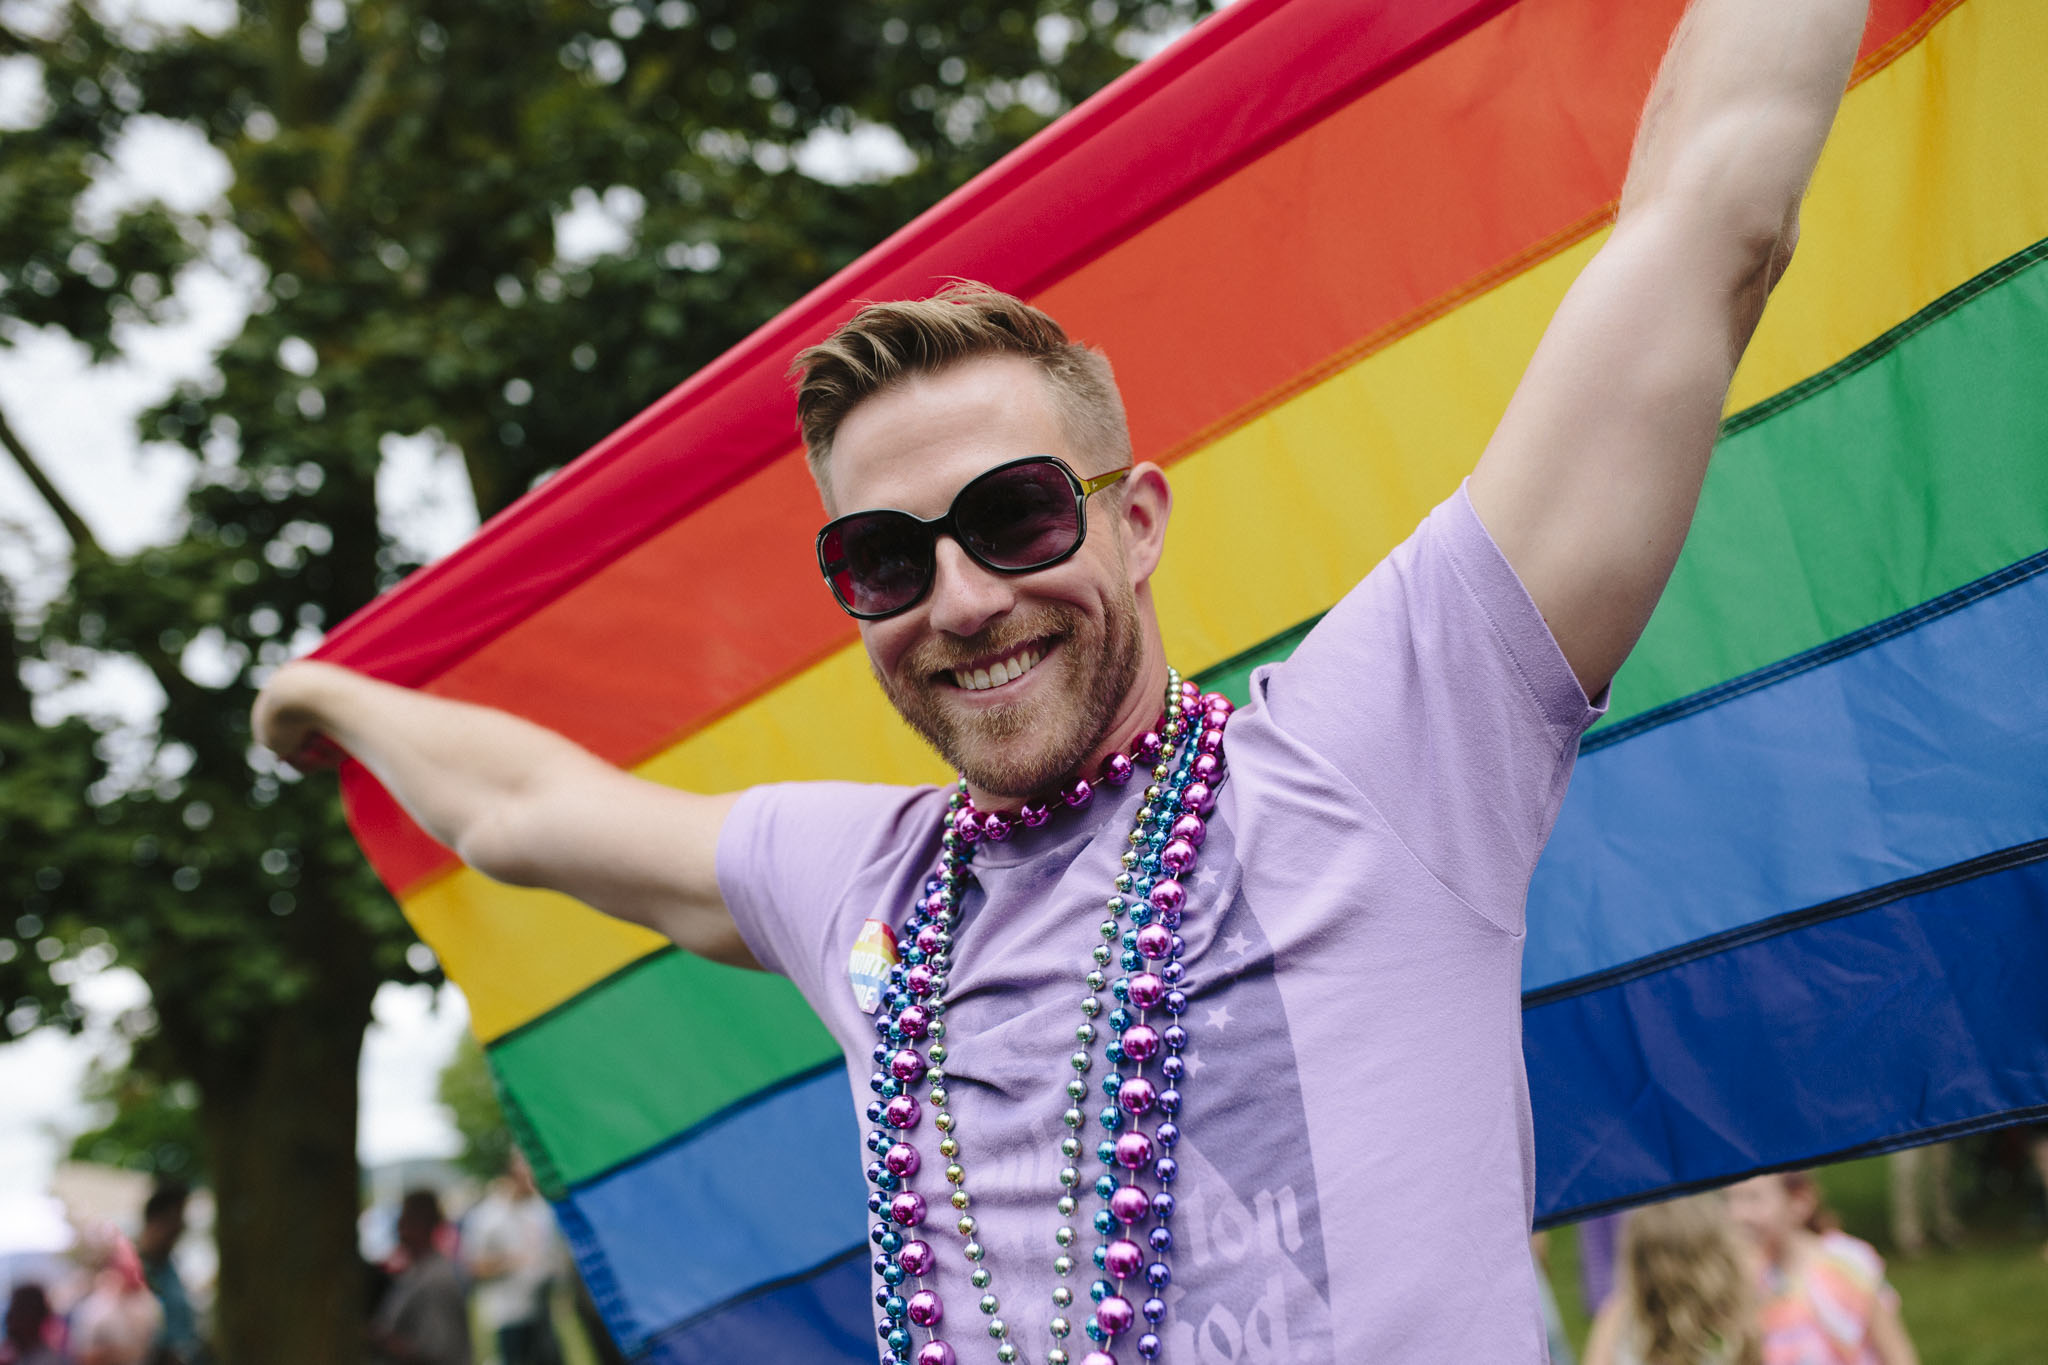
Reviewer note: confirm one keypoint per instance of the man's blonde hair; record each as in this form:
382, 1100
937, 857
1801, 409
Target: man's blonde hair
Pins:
885, 344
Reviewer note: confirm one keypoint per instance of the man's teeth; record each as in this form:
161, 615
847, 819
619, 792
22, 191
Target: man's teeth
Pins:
998, 673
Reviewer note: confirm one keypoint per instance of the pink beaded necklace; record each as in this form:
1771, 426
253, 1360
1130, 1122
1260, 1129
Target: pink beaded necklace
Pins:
1142, 1056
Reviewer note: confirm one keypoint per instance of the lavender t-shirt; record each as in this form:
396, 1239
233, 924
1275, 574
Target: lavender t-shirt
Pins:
1356, 1165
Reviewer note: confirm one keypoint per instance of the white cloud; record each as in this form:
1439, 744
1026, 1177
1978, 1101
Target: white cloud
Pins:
424, 501
156, 158
22, 102
411, 1041
208, 16
868, 154
41, 1075
597, 225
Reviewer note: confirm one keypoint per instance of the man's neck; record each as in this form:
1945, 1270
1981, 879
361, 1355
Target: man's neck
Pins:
1139, 713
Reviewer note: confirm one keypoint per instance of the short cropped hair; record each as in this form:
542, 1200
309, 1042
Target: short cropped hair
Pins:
886, 343
167, 1199
422, 1206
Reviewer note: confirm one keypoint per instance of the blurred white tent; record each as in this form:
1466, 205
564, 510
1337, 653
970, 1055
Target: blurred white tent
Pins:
34, 1235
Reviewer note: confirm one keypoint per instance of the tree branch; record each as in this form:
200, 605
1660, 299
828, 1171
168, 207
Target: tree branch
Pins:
364, 103
82, 538
287, 67
161, 663
14, 698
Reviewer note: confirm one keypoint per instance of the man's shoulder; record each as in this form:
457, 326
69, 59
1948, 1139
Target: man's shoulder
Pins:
840, 822
855, 799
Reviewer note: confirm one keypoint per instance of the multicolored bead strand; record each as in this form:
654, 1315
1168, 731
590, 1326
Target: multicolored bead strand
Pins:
1185, 753
1144, 914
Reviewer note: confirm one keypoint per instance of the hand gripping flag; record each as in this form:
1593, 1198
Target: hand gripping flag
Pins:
1796, 903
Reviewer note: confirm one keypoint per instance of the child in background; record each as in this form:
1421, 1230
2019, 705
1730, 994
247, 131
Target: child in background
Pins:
118, 1320
1683, 1294
1826, 1300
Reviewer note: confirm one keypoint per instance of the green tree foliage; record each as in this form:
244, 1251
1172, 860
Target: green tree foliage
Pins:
399, 169
471, 1097
151, 1126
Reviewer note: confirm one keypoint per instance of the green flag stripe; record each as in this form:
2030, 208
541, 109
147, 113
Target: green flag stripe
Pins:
1902, 472
1918, 465
671, 1057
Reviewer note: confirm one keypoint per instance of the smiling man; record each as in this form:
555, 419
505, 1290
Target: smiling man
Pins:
1184, 1033
1018, 644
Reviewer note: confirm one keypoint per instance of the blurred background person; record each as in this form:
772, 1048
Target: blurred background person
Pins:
1922, 1184
2037, 1152
512, 1252
1599, 1243
424, 1316
163, 1223
1825, 1297
1684, 1290
32, 1330
117, 1321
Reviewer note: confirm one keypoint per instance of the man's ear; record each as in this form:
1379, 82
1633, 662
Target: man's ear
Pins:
1147, 504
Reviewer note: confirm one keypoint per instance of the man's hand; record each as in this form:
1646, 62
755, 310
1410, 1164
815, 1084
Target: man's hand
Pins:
285, 720
1590, 482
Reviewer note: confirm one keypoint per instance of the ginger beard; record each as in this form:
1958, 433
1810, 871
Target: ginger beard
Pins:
1025, 748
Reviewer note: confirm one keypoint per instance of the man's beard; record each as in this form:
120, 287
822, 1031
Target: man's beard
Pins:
1068, 726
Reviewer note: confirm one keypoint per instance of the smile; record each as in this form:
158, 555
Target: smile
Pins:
1007, 669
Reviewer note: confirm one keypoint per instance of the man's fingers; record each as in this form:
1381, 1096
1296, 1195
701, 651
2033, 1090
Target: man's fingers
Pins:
316, 754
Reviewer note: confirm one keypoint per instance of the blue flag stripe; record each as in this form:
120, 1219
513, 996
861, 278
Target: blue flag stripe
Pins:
1913, 1020
814, 1319
774, 1192
1920, 752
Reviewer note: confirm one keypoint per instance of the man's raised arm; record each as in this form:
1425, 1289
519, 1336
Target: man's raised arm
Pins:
1589, 484
520, 803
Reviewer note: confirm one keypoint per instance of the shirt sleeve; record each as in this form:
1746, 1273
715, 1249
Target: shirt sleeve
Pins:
789, 852
1437, 690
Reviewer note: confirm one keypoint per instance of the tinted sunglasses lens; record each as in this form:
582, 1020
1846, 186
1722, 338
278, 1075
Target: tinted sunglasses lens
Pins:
1019, 517
883, 562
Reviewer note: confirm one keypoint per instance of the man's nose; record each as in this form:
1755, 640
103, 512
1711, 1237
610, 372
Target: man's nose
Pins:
965, 596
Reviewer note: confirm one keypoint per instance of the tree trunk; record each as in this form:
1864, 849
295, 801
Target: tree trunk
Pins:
281, 1140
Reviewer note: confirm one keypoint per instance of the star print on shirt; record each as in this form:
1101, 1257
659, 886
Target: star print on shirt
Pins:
1237, 945
1194, 1061
1219, 1018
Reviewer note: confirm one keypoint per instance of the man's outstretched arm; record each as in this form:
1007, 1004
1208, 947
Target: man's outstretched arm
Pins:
520, 803
1589, 483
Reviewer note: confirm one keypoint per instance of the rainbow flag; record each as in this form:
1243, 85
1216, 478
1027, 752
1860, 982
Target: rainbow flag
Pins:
1795, 906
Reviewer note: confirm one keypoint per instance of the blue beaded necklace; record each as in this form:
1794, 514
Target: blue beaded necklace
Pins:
1185, 754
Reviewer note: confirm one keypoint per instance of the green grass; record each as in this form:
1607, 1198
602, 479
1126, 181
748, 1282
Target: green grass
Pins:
1983, 1303
576, 1347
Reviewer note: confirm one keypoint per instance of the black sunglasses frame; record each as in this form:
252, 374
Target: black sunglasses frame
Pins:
935, 526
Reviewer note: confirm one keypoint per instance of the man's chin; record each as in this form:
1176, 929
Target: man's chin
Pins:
1015, 774
1030, 745
1012, 750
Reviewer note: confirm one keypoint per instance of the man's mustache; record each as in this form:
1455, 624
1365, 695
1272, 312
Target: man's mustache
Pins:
1004, 637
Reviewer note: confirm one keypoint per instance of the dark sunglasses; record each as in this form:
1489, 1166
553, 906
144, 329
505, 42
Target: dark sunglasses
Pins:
1019, 517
